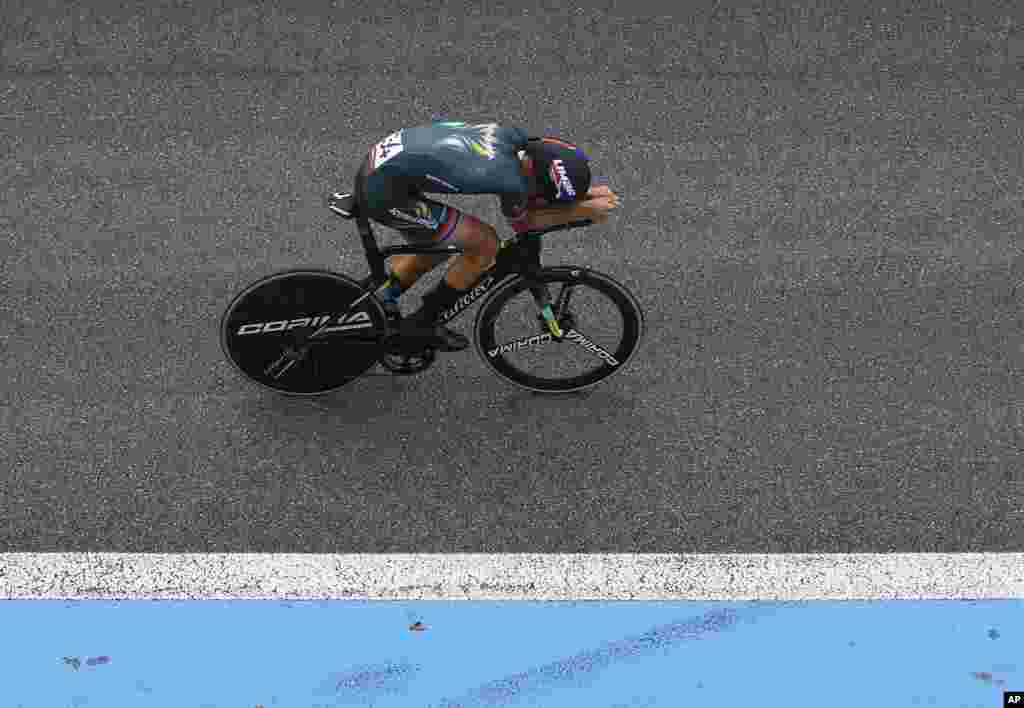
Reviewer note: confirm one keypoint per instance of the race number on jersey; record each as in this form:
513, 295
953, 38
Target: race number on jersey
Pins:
386, 149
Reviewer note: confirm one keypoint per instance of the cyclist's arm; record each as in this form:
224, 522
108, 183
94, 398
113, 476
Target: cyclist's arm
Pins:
516, 209
524, 214
545, 218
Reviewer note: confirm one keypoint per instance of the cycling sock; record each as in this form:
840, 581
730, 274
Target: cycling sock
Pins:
436, 301
392, 290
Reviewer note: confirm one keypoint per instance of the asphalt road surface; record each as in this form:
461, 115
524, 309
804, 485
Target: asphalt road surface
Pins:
822, 215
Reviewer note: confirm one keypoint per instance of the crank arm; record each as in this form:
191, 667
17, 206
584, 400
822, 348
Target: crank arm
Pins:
289, 358
298, 350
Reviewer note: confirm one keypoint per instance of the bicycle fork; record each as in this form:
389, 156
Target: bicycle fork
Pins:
543, 299
542, 296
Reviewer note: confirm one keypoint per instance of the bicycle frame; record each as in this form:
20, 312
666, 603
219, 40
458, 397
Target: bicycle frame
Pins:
526, 246
517, 270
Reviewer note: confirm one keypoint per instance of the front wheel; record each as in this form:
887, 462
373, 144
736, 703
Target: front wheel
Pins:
602, 325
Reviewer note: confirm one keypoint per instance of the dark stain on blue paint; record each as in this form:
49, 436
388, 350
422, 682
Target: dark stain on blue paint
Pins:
579, 667
75, 663
367, 682
986, 677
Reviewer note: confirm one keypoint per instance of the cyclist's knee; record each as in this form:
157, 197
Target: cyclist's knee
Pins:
478, 239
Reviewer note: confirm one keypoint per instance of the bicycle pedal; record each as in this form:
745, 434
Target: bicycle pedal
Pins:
408, 364
412, 335
401, 343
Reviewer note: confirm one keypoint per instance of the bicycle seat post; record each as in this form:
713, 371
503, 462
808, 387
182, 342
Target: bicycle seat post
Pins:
374, 256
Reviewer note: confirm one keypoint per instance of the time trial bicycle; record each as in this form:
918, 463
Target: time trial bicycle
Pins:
308, 331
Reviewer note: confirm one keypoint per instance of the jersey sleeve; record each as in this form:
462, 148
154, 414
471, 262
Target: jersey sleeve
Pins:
515, 205
515, 208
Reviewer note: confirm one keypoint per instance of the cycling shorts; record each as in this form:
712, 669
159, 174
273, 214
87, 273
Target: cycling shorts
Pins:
408, 210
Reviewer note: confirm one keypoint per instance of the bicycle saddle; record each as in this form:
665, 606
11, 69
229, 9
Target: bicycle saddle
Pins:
343, 205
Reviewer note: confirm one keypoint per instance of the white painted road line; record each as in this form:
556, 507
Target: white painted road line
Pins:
712, 577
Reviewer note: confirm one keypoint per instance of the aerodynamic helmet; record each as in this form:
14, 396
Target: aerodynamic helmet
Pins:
562, 169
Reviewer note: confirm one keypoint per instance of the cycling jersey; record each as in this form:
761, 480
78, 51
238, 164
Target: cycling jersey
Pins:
449, 157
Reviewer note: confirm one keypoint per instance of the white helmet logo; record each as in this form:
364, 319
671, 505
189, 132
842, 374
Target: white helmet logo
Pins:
561, 179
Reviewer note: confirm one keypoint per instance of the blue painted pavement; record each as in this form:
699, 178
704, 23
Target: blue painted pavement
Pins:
466, 654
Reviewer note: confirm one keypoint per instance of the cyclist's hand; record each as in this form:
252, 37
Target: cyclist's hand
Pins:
600, 202
602, 194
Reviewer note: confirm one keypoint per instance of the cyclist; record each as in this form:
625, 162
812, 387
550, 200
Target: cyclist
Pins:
541, 182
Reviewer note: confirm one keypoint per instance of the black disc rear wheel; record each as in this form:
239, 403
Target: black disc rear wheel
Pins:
602, 327
266, 330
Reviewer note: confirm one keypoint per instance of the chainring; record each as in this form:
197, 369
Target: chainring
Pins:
407, 364
403, 360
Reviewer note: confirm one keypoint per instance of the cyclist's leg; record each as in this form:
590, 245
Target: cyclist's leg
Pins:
422, 220
399, 205
393, 203
479, 241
